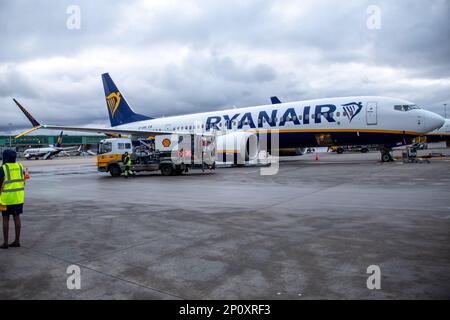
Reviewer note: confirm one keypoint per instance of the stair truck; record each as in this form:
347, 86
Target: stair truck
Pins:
172, 154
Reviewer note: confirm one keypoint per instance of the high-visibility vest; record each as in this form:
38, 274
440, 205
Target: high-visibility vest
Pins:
128, 160
13, 188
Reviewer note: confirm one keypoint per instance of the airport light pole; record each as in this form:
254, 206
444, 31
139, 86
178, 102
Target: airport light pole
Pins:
445, 110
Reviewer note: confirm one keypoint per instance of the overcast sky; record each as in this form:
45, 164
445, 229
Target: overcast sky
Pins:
176, 57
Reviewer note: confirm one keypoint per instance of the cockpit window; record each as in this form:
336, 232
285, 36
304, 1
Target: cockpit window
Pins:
406, 107
411, 107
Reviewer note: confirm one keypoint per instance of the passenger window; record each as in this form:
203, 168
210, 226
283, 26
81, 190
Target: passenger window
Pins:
127, 146
313, 116
338, 114
398, 108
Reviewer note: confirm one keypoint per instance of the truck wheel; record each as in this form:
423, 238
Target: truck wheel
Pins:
166, 170
340, 150
115, 171
364, 150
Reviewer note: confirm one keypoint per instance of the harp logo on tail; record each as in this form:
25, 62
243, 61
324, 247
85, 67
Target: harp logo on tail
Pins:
113, 101
352, 109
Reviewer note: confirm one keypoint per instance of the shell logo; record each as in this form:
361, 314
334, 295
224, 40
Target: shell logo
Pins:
166, 143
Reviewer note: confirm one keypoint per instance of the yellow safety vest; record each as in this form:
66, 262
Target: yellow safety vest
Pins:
13, 189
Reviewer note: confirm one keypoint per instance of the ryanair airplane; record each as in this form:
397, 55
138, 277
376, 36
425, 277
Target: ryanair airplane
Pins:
322, 122
48, 152
441, 134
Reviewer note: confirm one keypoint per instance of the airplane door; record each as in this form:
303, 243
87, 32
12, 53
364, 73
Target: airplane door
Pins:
371, 113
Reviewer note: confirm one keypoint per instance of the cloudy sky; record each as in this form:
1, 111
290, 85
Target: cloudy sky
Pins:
174, 57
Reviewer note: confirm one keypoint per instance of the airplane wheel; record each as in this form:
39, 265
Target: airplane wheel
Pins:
386, 157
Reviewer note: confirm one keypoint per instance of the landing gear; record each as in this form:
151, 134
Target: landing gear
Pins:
386, 157
386, 154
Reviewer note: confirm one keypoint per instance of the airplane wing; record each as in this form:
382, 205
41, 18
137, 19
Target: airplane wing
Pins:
111, 131
74, 148
48, 155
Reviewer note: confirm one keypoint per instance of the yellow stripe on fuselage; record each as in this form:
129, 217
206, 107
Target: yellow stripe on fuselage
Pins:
331, 130
228, 151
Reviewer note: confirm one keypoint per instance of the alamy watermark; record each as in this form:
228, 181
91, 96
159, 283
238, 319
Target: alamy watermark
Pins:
73, 21
374, 280
74, 278
373, 21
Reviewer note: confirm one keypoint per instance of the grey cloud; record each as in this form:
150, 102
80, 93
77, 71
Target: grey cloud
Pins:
198, 56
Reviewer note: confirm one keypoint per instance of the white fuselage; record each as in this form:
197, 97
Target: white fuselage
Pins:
41, 152
346, 119
444, 130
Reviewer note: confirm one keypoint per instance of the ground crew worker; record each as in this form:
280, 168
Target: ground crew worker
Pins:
127, 163
12, 195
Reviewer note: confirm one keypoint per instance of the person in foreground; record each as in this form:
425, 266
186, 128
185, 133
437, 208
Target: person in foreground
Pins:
12, 195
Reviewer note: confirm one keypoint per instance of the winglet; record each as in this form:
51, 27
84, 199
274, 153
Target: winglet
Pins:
275, 100
27, 132
33, 121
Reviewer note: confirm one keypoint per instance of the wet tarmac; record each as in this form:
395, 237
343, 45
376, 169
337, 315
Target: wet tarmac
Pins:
308, 232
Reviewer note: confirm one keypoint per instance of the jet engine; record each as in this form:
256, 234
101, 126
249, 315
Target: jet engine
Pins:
238, 147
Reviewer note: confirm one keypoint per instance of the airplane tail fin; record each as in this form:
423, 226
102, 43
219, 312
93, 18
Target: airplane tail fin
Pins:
59, 141
275, 100
118, 109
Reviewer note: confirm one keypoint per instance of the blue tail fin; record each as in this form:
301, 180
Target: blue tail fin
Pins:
275, 100
119, 110
59, 141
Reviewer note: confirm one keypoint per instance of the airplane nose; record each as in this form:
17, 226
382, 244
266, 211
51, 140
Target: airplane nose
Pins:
433, 121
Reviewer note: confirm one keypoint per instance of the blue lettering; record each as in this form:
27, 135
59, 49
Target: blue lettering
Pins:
327, 114
264, 116
212, 122
246, 120
229, 121
306, 115
289, 115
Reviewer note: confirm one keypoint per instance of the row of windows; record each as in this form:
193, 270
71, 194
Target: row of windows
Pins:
123, 146
262, 121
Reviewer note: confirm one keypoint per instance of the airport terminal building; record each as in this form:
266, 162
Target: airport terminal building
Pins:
42, 141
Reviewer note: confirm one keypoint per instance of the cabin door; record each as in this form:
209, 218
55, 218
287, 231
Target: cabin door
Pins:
371, 113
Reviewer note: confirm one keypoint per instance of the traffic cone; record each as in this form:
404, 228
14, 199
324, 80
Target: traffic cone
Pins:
317, 156
27, 176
